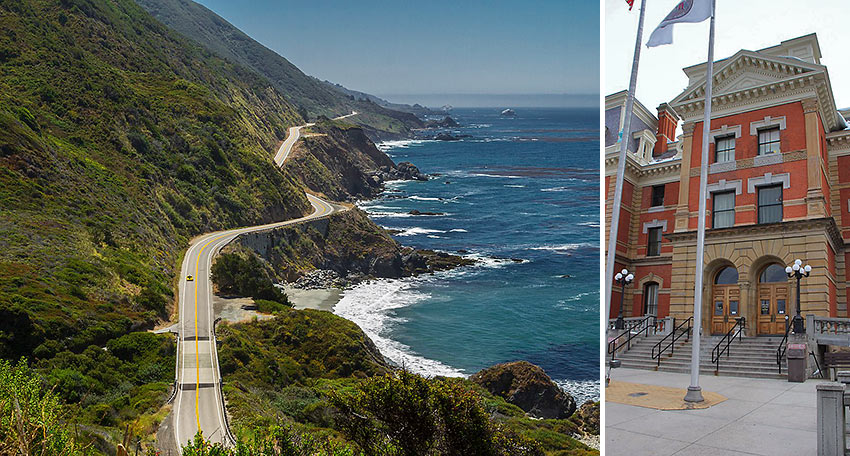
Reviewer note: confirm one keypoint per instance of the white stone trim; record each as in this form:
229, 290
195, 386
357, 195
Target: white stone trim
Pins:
848, 205
658, 209
769, 159
767, 179
722, 185
655, 224
767, 122
725, 130
722, 167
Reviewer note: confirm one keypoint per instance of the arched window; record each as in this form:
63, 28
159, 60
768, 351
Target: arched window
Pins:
773, 273
727, 276
650, 299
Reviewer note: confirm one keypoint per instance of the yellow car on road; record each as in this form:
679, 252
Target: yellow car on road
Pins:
189, 278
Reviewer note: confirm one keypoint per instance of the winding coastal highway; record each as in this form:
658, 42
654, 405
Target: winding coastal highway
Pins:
198, 403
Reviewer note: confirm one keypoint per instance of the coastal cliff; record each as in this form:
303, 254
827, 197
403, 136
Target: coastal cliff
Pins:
347, 243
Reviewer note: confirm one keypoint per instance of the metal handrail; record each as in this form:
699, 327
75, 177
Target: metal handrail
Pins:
780, 351
635, 330
717, 351
657, 351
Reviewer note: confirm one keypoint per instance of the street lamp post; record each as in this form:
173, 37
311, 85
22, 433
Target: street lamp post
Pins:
623, 278
798, 271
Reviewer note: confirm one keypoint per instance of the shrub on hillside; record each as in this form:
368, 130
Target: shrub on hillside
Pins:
413, 415
32, 419
236, 275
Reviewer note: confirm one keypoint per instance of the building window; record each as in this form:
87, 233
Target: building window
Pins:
723, 212
653, 248
769, 141
727, 276
770, 203
650, 299
657, 195
725, 149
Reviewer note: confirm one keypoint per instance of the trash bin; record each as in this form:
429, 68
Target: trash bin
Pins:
796, 354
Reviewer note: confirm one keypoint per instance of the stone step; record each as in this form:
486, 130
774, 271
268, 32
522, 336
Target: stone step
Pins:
749, 357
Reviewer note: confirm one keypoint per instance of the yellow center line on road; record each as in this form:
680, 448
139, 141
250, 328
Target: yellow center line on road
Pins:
323, 209
197, 357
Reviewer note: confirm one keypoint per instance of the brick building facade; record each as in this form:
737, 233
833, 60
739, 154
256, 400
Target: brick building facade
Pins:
778, 190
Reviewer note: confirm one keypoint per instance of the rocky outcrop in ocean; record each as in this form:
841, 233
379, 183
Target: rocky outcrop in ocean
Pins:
528, 387
446, 122
402, 171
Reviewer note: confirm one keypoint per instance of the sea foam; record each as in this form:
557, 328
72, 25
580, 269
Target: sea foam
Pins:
371, 305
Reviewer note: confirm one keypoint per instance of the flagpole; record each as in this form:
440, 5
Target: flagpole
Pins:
694, 393
621, 168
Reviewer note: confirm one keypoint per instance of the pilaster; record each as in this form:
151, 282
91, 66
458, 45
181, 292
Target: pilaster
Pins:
815, 201
682, 210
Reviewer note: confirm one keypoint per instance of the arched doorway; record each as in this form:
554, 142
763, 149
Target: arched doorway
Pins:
726, 299
772, 300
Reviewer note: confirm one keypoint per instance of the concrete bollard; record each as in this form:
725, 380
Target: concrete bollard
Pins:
830, 403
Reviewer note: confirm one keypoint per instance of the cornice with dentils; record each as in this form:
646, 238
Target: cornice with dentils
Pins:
801, 79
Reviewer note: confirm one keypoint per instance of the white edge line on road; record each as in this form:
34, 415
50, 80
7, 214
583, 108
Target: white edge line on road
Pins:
321, 209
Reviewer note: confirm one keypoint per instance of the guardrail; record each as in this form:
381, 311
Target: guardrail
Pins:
176, 385
780, 350
638, 328
719, 349
227, 431
658, 350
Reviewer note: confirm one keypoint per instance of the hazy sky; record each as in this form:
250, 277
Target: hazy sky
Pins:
392, 48
750, 24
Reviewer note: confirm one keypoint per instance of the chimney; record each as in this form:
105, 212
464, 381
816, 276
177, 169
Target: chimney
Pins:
667, 122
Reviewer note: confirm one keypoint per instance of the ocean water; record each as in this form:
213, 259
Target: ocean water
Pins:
521, 195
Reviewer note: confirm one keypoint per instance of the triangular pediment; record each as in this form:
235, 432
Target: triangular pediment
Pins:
747, 70
747, 79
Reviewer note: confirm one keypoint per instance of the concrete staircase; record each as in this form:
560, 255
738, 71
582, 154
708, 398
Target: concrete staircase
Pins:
749, 357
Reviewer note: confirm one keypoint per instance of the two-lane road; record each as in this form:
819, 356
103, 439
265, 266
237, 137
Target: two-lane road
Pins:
198, 403
295, 133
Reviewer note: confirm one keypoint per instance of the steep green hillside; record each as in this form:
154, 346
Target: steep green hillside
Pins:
312, 96
119, 141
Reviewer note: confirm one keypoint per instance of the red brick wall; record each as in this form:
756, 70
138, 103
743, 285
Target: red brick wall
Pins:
793, 138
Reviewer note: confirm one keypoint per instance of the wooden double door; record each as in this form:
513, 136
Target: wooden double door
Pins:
772, 307
772, 301
726, 307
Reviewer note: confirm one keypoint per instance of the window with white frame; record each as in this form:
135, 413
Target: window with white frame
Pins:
724, 149
770, 203
650, 299
723, 209
769, 141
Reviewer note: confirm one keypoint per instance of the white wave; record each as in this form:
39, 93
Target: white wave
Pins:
560, 248
400, 144
504, 176
581, 391
490, 262
423, 198
417, 230
371, 306
480, 125
590, 224
554, 189
387, 214
458, 230
434, 236
562, 303
514, 186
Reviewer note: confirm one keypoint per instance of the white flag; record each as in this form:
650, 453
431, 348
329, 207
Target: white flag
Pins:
685, 11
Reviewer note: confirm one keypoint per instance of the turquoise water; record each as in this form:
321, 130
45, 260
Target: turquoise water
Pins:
523, 188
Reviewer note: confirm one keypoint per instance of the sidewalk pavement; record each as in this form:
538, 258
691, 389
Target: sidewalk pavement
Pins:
760, 417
